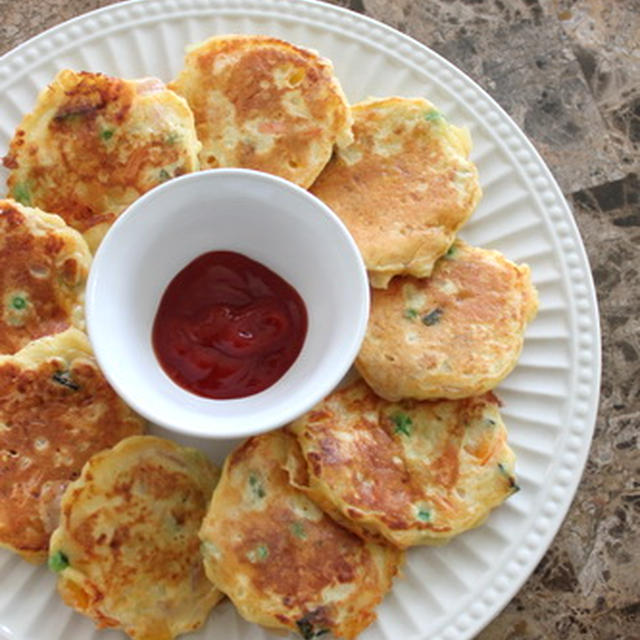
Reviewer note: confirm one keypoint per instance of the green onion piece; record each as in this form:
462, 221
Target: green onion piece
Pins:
433, 116
451, 252
403, 423
75, 114
307, 630
58, 561
433, 317
164, 174
258, 554
18, 303
173, 137
297, 528
424, 515
410, 314
106, 134
22, 194
64, 378
256, 486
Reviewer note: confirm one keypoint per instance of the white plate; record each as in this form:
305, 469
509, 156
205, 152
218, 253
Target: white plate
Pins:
550, 400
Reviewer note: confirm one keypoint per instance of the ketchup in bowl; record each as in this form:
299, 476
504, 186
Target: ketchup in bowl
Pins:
228, 327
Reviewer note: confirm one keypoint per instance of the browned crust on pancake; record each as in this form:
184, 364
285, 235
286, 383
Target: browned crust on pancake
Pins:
278, 557
89, 148
246, 116
453, 335
45, 266
128, 532
406, 473
53, 417
403, 187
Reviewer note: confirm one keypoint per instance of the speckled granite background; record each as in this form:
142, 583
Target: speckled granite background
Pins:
568, 72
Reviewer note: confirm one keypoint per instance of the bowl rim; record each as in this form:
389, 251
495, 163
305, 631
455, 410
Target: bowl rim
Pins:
222, 427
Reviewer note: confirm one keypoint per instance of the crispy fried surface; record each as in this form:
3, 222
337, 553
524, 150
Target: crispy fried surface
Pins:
56, 410
45, 265
410, 472
282, 561
264, 104
403, 187
93, 144
129, 535
453, 335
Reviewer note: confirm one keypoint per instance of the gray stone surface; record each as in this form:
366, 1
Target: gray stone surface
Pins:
568, 71
587, 586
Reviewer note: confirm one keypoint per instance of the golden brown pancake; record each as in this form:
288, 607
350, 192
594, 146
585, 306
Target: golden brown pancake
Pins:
45, 265
127, 549
403, 187
453, 335
264, 104
93, 144
410, 472
56, 411
281, 560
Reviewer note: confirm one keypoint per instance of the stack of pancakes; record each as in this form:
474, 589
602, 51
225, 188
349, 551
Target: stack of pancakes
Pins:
305, 527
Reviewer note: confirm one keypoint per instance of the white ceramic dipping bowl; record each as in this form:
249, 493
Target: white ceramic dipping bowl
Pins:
263, 217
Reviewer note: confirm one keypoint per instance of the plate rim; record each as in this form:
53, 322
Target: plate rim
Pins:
557, 215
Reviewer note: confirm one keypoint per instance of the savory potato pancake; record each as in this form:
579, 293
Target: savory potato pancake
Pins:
281, 560
410, 472
56, 411
93, 144
262, 103
45, 265
127, 549
453, 335
403, 187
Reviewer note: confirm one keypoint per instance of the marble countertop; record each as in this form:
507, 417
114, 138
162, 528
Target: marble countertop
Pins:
568, 72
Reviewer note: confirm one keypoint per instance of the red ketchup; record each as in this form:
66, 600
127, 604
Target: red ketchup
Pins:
228, 327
